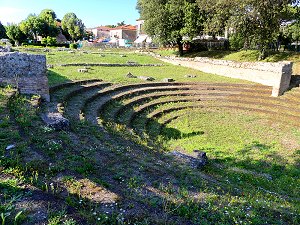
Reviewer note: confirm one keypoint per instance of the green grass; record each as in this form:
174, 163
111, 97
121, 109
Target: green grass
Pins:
245, 152
117, 74
65, 58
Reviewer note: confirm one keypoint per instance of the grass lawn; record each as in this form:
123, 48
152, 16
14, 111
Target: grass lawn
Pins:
117, 74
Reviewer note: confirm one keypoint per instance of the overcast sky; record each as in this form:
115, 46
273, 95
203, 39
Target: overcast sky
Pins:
92, 12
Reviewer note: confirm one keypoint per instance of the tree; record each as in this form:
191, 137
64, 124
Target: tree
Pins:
73, 26
111, 26
49, 28
218, 13
290, 31
122, 23
2, 31
168, 21
32, 26
257, 21
15, 34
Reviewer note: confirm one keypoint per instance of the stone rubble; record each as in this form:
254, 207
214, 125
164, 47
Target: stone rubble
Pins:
56, 121
146, 78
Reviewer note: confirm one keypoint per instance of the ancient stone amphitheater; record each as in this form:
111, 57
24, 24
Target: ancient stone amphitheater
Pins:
139, 106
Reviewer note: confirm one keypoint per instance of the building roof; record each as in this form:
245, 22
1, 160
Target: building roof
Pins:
125, 27
103, 28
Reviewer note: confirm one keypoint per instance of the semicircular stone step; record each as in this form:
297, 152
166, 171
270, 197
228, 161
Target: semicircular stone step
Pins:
291, 119
58, 87
142, 99
72, 102
279, 111
154, 104
213, 88
93, 104
207, 86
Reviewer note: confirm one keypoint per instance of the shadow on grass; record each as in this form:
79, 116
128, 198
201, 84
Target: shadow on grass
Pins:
295, 82
172, 133
56, 78
154, 188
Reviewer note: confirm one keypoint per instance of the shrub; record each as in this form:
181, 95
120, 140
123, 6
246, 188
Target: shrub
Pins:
73, 46
236, 41
49, 41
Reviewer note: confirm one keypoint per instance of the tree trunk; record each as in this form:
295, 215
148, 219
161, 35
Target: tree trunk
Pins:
263, 54
180, 46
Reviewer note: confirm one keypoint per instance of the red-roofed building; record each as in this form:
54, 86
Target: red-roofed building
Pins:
101, 32
127, 32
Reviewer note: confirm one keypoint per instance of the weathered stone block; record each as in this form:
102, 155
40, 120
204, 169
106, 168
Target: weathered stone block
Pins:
130, 75
278, 75
168, 80
202, 159
56, 121
190, 76
26, 72
83, 70
5, 49
146, 78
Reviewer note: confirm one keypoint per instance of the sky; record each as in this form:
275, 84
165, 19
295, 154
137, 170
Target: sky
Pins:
92, 12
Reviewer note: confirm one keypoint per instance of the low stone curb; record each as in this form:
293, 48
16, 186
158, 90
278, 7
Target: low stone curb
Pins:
112, 64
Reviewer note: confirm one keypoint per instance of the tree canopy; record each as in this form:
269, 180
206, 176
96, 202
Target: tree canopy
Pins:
72, 25
2, 31
168, 21
14, 33
32, 26
255, 22
49, 23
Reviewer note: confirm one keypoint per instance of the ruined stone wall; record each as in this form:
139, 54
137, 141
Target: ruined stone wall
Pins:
278, 75
25, 71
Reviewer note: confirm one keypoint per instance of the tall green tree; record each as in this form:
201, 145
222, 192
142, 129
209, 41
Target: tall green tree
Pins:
218, 13
32, 26
15, 34
49, 28
291, 31
72, 25
258, 21
122, 23
2, 31
168, 21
